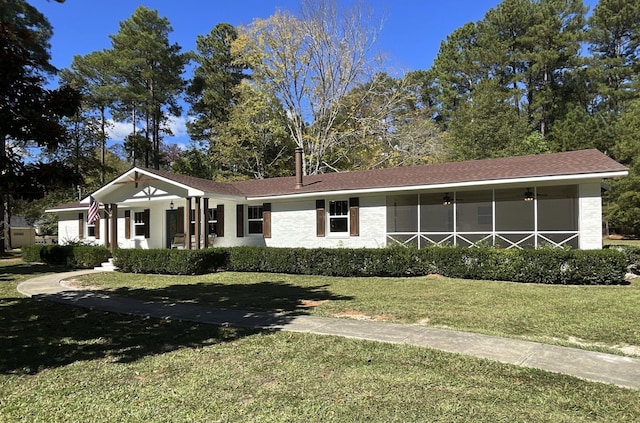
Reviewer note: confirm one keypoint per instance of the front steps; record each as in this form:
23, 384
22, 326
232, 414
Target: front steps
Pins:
107, 266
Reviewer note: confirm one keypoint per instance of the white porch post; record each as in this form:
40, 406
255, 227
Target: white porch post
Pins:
113, 226
197, 225
205, 222
187, 223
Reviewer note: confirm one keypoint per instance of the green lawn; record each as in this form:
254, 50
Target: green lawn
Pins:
594, 317
62, 364
627, 242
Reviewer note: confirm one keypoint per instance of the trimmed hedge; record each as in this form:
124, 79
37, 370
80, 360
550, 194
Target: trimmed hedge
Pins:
169, 262
632, 253
80, 257
549, 266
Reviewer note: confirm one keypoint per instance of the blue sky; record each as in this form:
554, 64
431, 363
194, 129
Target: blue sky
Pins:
411, 35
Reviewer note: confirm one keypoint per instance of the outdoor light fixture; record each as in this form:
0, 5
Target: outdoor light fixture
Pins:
171, 205
446, 200
528, 195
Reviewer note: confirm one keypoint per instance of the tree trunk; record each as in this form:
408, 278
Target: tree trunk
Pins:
135, 148
3, 221
103, 145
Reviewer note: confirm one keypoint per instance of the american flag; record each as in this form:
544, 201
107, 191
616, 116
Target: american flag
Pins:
94, 211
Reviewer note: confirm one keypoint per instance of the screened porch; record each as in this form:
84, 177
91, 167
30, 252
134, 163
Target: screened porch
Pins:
506, 218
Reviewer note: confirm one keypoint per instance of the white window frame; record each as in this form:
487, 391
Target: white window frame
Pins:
254, 219
484, 215
332, 216
192, 221
212, 218
138, 222
91, 230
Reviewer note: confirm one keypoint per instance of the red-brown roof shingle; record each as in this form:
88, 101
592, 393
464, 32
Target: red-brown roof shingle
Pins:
557, 164
545, 165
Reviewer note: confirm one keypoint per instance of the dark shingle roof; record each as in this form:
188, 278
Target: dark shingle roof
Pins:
74, 205
198, 183
558, 164
545, 165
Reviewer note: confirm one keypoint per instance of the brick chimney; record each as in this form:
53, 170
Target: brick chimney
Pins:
298, 167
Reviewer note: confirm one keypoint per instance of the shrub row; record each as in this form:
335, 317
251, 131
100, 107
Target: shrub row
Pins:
169, 262
632, 253
535, 266
80, 257
549, 266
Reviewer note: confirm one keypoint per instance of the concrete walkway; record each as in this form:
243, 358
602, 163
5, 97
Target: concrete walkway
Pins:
593, 366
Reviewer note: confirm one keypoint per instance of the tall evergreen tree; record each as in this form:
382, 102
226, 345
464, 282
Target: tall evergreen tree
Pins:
487, 125
93, 76
554, 45
215, 78
457, 70
614, 37
30, 114
150, 69
524, 55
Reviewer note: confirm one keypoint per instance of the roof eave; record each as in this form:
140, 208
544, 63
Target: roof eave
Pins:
443, 186
66, 209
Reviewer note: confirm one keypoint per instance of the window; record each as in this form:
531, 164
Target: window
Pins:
485, 215
192, 221
91, 229
139, 223
254, 218
212, 221
339, 216
474, 211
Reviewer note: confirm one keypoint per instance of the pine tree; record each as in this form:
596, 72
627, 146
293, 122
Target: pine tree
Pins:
30, 114
149, 69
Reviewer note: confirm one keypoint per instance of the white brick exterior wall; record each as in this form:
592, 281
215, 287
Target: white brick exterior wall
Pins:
68, 227
293, 224
590, 216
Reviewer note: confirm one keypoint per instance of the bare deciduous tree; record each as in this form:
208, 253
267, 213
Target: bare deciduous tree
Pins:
311, 62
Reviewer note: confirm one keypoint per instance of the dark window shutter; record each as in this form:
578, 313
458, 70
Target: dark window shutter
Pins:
205, 221
220, 226
146, 219
240, 220
266, 220
96, 230
320, 218
127, 224
180, 229
354, 216
80, 225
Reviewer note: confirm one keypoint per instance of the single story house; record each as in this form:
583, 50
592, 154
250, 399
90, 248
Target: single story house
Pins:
514, 202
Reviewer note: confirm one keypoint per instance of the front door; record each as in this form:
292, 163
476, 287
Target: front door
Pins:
172, 226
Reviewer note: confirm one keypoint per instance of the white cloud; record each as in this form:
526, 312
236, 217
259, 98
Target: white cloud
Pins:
177, 126
118, 131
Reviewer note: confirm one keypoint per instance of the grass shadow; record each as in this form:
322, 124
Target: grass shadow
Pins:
39, 334
268, 296
13, 272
